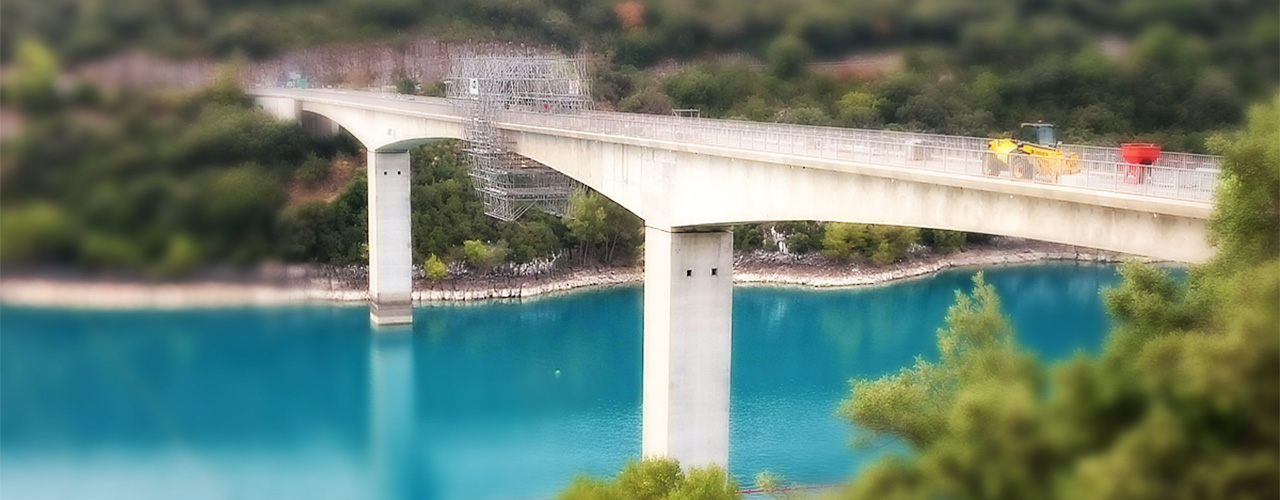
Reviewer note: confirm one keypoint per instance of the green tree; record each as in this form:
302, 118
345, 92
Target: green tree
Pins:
1247, 213
882, 245
890, 243
709, 483
807, 115
313, 170
747, 237
36, 232
943, 240
181, 255
303, 229
602, 228
844, 241
590, 488
976, 353
650, 479
406, 85
1183, 401
434, 268
787, 56
482, 255
860, 110
655, 479
31, 85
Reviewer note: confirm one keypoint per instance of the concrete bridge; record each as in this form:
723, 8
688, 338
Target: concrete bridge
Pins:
689, 179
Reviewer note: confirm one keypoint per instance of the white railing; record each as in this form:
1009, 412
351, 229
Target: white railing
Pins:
1180, 176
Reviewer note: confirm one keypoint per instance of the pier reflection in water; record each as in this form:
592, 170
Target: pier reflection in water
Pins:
392, 454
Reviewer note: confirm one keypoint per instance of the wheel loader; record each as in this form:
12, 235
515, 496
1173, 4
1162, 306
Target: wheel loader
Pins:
1036, 150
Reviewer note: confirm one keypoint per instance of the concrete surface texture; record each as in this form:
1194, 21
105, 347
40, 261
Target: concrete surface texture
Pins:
688, 314
390, 254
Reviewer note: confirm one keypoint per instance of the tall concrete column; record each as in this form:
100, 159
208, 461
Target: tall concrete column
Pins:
390, 256
688, 309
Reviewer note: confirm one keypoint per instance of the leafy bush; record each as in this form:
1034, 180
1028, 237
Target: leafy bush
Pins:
880, 244
313, 170
434, 268
484, 256
655, 479
942, 240
1184, 397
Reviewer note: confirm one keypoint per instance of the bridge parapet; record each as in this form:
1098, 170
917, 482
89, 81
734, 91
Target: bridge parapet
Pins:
1177, 176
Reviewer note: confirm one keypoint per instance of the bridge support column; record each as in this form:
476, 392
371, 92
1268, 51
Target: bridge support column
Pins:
390, 256
688, 309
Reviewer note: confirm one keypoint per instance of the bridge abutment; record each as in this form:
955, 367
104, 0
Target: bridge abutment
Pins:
688, 316
390, 254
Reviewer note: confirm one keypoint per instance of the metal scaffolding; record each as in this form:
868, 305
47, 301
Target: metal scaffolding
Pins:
484, 87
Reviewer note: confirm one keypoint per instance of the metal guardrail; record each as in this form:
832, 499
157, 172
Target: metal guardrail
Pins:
1179, 176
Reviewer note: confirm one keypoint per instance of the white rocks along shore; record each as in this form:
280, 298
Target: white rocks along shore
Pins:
753, 268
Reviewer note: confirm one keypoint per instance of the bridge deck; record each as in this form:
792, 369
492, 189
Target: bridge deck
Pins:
1177, 176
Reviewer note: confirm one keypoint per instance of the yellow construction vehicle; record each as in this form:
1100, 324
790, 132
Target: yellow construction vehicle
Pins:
1035, 150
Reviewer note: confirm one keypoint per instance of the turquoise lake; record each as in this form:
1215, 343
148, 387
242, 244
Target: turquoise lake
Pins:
498, 400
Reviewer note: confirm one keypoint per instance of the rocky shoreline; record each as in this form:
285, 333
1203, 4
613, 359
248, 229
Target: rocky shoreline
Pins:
319, 284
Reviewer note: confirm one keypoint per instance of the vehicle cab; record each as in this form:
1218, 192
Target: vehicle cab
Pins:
1043, 134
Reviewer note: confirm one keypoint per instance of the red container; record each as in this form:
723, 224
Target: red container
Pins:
1138, 155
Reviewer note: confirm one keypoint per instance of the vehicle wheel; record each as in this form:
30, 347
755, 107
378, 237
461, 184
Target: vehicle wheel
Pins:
992, 165
1022, 167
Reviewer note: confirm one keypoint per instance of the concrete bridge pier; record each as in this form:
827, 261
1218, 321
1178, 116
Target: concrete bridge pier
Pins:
390, 255
688, 316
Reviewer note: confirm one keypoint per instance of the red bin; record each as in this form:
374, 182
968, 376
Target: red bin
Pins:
1138, 155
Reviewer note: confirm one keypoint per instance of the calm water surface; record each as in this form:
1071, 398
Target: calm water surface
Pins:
498, 400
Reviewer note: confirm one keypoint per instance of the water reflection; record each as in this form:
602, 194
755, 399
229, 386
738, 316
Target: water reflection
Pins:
391, 431
192, 404
501, 400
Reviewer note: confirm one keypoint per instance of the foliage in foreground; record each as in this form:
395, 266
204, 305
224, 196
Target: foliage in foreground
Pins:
1183, 402
655, 479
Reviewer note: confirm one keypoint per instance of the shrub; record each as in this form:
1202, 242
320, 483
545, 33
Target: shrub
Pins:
435, 268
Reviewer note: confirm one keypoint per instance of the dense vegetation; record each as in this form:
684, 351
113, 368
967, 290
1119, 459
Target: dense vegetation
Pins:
1105, 71
655, 479
165, 183
125, 181
1183, 402
985, 32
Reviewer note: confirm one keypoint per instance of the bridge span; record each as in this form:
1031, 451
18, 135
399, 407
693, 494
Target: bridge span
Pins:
689, 179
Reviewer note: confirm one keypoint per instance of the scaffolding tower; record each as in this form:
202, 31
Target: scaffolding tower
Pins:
484, 86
